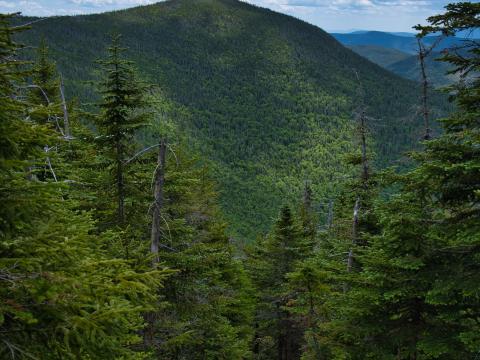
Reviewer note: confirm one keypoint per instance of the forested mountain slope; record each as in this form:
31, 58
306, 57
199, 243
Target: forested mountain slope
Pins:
437, 71
380, 55
383, 49
407, 44
264, 96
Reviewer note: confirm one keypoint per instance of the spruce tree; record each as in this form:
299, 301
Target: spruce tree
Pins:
122, 114
207, 306
44, 90
279, 330
419, 298
62, 296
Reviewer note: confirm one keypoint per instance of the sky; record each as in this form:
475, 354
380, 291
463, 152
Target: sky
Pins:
331, 15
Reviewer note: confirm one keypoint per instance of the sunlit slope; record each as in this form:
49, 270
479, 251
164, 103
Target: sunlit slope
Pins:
264, 96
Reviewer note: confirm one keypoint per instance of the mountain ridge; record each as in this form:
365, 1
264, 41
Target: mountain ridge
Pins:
389, 40
267, 98
391, 51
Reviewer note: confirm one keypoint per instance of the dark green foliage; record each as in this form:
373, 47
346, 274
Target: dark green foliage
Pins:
391, 273
208, 306
204, 310
122, 114
265, 97
62, 294
44, 92
279, 331
413, 295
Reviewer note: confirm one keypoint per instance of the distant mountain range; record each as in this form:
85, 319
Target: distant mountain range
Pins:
397, 52
406, 44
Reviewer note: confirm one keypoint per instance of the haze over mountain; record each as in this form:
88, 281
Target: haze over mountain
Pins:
267, 98
407, 44
397, 53
380, 55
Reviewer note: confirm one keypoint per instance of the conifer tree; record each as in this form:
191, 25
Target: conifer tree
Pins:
419, 298
207, 307
279, 333
61, 295
44, 93
327, 283
122, 114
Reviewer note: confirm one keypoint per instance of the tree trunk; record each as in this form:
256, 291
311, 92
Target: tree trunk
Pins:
158, 201
422, 54
363, 135
151, 317
354, 234
120, 187
66, 122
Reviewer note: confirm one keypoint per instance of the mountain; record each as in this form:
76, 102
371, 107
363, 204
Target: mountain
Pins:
437, 71
388, 40
266, 98
380, 55
406, 65
402, 33
397, 53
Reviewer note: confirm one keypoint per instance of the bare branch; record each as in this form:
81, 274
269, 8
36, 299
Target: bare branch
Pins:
66, 122
141, 152
41, 90
49, 163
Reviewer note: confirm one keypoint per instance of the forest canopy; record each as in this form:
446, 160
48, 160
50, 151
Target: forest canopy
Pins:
114, 238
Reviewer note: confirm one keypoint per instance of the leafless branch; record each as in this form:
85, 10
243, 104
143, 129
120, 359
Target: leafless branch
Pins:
66, 122
141, 152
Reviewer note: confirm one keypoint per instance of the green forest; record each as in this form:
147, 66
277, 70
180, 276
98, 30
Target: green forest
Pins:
213, 180
265, 98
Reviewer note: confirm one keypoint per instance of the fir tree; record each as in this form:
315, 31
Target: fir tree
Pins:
122, 114
279, 332
62, 296
419, 297
207, 309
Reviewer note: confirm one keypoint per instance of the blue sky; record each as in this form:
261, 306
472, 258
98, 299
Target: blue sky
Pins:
331, 15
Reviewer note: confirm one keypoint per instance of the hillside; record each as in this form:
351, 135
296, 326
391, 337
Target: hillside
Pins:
380, 55
268, 99
396, 52
402, 43
436, 70
406, 65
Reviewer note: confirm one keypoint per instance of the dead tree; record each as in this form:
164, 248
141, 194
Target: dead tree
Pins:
350, 259
66, 122
365, 174
423, 53
158, 194
363, 140
158, 201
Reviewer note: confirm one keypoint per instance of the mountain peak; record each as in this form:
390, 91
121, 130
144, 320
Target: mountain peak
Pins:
267, 98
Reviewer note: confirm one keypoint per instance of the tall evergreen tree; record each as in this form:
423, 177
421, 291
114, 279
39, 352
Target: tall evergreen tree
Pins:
122, 114
61, 295
279, 331
419, 295
207, 309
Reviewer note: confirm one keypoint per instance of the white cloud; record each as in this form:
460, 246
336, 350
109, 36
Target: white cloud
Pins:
7, 4
346, 5
26, 7
101, 3
394, 15
308, 8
